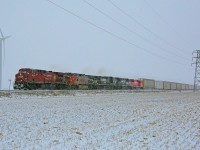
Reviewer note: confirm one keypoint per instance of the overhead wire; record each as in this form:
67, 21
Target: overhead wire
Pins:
165, 22
113, 34
143, 26
130, 30
158, 14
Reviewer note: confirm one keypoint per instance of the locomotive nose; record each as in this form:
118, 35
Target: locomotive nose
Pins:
19, 77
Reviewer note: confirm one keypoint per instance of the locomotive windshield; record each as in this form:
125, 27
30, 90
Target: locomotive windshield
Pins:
24, 70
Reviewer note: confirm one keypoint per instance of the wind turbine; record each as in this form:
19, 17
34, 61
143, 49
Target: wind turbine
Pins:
2, 51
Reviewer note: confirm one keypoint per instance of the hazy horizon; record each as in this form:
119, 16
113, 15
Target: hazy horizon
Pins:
158, 45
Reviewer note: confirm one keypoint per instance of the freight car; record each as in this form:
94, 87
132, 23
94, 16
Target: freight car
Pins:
165, 85
159, 85
148, 83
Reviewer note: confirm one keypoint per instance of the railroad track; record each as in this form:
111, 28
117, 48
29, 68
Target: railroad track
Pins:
76, 92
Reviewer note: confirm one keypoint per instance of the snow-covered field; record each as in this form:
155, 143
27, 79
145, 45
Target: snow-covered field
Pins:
168, 120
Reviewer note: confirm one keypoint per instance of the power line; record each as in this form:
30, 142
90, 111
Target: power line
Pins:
163, 20
112, 34
130, 30
144, 27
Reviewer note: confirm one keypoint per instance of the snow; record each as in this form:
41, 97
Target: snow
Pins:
153, 120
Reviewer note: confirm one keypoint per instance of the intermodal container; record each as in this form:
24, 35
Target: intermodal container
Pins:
173, 86
167, 85
159, 85
191, 87
183, 86
187, 87
179, 86
148, 83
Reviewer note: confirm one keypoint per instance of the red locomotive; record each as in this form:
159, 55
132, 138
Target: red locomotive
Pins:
32, 79
138, 84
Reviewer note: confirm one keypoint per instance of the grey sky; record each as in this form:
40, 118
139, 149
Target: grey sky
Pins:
46, 37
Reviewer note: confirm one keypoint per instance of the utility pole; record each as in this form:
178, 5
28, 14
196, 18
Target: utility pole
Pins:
197, 68
9, 83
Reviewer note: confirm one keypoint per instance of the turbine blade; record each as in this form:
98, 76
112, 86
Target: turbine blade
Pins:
1, 34
4, 52
6, 37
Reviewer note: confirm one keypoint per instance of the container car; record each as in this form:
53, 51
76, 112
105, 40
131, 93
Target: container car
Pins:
166, 85
173, 86
148, 83
159, 85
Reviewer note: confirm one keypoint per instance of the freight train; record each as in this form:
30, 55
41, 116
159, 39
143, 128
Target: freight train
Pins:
33, 79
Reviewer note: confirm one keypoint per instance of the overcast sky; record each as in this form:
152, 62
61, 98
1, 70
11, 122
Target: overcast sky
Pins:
156, 40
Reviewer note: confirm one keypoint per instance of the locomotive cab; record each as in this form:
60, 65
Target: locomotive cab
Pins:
21, 78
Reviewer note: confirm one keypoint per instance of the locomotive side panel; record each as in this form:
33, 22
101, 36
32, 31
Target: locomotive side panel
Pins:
136, 84
83, 82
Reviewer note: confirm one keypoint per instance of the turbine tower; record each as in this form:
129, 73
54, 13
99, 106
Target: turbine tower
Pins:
2, 52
